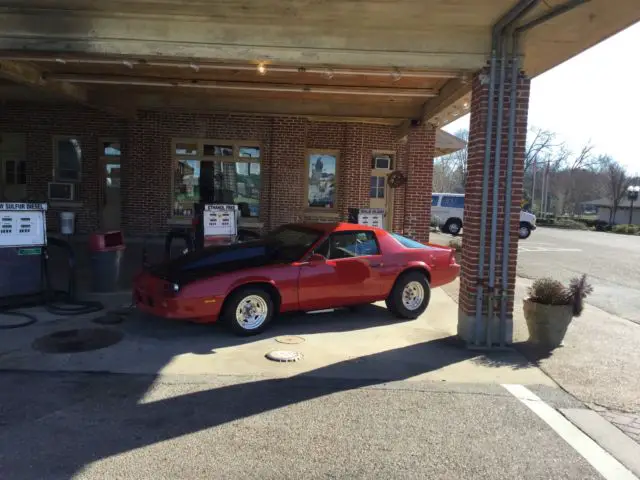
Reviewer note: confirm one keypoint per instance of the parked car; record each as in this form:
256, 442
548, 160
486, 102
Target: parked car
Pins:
448, 210
297, 267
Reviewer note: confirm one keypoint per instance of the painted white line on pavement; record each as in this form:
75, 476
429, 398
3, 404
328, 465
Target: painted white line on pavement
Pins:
547, 249
593, 453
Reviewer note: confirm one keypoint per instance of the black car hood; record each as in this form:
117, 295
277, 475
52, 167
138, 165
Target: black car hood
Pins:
216, 260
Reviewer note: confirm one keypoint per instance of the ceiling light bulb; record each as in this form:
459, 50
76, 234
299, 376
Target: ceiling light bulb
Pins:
466, 105
262, 68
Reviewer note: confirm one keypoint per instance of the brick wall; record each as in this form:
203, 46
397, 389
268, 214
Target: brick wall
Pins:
146, 162
473, 194
39, 123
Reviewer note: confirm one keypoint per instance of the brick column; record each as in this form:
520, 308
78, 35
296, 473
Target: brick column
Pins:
287, 170
473, 204
420, 151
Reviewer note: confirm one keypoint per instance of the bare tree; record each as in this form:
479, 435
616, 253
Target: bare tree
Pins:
617, 183
540, 143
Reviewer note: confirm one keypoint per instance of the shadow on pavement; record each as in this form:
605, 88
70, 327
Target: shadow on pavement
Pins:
102, 416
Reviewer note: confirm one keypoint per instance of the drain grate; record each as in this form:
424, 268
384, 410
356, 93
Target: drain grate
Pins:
77, 340
289, 339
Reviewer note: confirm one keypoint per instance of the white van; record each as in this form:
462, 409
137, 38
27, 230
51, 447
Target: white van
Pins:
447, 209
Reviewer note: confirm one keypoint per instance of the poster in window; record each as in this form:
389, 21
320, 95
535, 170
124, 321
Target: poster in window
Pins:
322, 180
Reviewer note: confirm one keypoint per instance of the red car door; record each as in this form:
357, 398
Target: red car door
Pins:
348, 275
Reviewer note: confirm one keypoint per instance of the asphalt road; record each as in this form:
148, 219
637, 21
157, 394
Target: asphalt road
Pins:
60, 426
612, 263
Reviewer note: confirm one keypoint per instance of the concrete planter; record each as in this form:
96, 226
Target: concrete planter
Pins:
547, 324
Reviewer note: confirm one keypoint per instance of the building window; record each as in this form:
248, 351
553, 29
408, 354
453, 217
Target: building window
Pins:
15, 172
110, 149
376, 189
321, 179
68, 159
216, 172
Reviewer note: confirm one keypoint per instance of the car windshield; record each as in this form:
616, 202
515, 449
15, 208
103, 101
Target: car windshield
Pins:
292, 242
407, 242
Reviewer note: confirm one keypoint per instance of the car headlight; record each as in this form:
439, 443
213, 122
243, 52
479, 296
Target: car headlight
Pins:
176, 288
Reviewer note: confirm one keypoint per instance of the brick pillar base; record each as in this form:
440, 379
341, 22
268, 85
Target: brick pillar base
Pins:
420, 151
468, 329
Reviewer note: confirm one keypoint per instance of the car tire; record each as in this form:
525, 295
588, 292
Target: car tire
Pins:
453, 227
524, 231
248, 311
410, 295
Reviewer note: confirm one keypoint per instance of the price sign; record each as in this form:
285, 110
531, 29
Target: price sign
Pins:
23, 225
220, 220
371, 217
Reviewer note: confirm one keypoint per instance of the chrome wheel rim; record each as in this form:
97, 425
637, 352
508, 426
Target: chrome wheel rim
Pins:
251, 312
412, 295
523, 232
453, 228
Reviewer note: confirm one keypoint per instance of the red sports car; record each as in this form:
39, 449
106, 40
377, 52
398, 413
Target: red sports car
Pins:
297, 267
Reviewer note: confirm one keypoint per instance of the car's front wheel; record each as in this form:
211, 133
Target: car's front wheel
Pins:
248, 311
410, 295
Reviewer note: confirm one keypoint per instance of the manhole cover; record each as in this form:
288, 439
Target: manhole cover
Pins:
284, 356
78, 340
111, 318
290, 339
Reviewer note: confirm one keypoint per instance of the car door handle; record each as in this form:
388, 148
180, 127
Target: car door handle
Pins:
376, 265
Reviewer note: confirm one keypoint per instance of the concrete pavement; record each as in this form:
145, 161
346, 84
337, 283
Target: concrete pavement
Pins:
372, 398
146, 427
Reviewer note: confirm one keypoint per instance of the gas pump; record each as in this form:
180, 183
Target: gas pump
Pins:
24, 278
23, 238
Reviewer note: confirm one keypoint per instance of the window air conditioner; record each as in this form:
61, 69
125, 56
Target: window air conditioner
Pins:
61, 191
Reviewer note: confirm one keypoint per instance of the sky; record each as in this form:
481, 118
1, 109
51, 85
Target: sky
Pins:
591, 97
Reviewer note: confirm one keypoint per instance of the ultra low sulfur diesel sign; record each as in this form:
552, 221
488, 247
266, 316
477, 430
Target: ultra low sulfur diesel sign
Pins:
23, 224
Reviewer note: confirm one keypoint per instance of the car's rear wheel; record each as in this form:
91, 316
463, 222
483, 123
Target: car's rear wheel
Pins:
410, 295
249, 311
524, 231
453, 227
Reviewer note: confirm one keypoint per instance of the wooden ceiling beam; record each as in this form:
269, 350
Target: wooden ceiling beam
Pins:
30, 76
239, 86
451, 93
25, 74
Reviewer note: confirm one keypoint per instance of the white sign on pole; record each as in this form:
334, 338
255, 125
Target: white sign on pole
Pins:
371, 217
220, 220
23, 224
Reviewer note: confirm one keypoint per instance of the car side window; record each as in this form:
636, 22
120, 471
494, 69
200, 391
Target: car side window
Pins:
323, 249
352, 244
434, 200
452, 202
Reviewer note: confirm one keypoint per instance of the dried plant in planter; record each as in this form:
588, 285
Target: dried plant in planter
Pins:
548, 291
550, 308
579, 289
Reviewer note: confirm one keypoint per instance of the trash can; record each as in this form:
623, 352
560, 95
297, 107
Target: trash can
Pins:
107, 252
67, 223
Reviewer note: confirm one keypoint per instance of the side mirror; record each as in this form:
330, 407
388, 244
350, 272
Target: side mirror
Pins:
317, 258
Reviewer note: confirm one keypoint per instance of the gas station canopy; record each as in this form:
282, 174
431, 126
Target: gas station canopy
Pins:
385, 61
